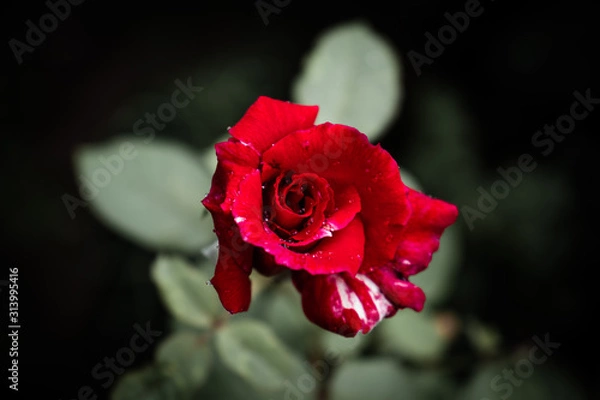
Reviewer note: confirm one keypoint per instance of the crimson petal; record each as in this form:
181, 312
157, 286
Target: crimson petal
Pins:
399, 291
341, 303
234, 263
344, 156
268, 120
421, 236
344, 251
347, 205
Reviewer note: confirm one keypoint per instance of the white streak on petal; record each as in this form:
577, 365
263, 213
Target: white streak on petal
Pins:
349, 299
381, 302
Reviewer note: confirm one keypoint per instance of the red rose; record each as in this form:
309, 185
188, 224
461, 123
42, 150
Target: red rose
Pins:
325, 203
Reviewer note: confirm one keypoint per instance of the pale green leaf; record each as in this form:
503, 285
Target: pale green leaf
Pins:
414, 336
377, 379
281, 308
186, 356
149, 383
185, 292
354, 75
150, 192
251, 350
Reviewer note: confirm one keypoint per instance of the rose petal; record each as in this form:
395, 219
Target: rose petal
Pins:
421, 236
268, 120
234, 162
347, 205
301, 225
265, 263
399, 291
344, 156
341, 303
342, 252
234, 264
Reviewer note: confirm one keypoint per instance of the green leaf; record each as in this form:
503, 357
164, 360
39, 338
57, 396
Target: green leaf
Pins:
185, 292
187, 358
149, 192
251, 350
280, 307
414, 336
222, 384
340, 348
149, 383
354, 76
434, 384
378, 379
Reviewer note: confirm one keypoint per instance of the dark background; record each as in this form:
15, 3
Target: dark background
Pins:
516, 66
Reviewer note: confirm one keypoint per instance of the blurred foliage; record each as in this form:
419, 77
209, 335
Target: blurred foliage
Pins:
444, 352
355, 77
150, 193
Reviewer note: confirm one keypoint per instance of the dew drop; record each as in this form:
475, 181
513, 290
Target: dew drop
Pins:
208, 283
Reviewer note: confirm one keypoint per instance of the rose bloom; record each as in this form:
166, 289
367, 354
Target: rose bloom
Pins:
324, 203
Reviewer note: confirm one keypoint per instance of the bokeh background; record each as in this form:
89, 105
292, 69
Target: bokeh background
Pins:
528, 268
